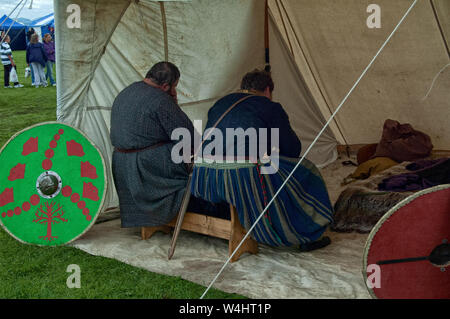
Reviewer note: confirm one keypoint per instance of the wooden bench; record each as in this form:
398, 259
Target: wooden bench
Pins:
230, 230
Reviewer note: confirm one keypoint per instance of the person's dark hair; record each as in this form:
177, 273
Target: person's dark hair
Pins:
257, 80
164, 73
30, 33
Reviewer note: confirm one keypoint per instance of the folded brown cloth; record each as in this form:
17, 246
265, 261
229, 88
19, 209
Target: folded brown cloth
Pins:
401, 143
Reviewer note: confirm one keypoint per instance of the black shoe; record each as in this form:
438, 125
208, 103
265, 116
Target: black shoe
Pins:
321, 243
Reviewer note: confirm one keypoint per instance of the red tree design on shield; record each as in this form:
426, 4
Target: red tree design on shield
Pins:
48, 217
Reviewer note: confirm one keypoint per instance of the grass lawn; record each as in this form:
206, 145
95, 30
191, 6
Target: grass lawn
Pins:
37, 272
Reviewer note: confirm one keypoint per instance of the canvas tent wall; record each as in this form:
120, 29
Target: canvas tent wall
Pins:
16, 32
318, 49
332, 45
41, 25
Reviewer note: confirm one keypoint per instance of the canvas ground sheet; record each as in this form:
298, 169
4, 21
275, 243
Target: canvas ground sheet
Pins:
274, 273
332, 272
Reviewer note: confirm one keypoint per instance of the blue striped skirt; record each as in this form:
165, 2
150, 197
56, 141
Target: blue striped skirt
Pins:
300, 214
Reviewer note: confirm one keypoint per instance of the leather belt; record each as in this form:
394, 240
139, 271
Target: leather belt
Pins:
142, 149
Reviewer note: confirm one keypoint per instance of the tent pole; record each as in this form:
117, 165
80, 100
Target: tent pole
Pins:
6, 18
18, 13
266, 36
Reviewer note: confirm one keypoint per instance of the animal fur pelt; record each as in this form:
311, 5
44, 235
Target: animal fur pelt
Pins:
360, 206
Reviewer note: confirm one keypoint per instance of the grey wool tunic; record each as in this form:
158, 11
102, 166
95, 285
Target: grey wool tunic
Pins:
149, 184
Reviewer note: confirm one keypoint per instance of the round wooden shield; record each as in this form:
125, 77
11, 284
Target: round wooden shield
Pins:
52, 184
407, 252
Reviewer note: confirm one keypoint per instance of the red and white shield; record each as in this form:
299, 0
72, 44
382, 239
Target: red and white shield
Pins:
407, 252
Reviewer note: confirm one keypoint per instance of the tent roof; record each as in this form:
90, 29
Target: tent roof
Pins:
47, 20
8, 22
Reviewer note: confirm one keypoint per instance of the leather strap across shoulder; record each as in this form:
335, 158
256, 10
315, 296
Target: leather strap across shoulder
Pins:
221, 118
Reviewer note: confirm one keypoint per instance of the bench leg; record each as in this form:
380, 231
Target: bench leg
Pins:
237, 234
148, 232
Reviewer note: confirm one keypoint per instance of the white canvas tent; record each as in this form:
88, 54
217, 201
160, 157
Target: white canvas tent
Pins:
318, 49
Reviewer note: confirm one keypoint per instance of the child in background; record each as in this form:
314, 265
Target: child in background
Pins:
37, 58
8, 62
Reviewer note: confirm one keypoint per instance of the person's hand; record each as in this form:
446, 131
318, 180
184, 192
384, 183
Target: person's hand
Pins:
13, 64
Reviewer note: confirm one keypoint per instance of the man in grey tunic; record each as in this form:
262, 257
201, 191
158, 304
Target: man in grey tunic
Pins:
149, 184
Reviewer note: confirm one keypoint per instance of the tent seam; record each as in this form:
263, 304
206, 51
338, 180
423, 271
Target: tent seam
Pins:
94, 66
298, 73
164, 24
321, 90
284, 26
440, 27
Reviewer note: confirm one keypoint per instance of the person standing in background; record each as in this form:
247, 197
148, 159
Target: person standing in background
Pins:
8, 62
49, 47
30, 32
37, 58
52, 32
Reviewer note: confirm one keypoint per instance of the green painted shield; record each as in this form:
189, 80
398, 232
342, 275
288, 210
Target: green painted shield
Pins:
52, 184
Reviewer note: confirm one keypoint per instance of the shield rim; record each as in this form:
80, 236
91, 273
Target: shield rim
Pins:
385, 217
102, 203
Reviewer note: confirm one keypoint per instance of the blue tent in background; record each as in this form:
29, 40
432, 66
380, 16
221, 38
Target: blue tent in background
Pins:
17, 32
41, 26
47, 20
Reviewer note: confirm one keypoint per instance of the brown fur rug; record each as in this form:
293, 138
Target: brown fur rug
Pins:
360, 206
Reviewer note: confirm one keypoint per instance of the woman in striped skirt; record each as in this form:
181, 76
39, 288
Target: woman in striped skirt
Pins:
302, 211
